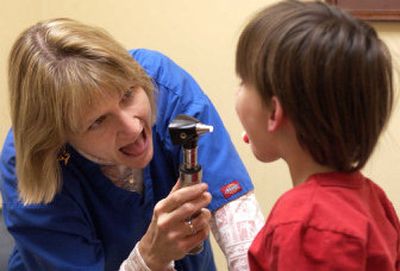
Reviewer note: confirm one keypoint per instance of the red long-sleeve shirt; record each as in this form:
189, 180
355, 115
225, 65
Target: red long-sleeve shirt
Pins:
333, 221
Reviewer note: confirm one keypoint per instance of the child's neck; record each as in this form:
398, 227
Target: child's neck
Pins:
302, 165
300, 162
304, 169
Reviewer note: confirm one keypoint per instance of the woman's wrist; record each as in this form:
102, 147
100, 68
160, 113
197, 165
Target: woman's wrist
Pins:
152, 262
135, 262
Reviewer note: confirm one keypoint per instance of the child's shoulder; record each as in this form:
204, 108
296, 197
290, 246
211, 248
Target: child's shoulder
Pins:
337, 202
333, 220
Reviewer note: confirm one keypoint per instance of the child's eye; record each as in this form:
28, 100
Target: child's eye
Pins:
97, 123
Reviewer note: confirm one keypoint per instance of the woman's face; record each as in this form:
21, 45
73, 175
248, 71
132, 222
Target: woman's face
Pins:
118, 131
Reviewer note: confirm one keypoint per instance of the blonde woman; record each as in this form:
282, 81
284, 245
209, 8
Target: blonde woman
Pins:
88, 171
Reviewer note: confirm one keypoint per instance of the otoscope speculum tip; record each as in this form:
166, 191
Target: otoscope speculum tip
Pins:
203, 128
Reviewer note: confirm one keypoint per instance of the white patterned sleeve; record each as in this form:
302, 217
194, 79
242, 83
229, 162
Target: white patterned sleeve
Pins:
234, 227
135, 262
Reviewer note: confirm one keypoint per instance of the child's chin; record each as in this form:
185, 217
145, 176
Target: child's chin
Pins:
264, 158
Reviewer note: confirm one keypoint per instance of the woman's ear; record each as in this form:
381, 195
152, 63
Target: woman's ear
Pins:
275, 118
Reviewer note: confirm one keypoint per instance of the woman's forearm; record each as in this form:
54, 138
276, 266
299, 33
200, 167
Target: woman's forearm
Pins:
234, 226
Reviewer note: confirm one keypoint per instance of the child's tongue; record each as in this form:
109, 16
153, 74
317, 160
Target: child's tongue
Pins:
135, 148
245, 138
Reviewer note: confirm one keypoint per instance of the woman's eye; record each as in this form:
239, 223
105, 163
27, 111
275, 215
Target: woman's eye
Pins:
127, 95
97, 123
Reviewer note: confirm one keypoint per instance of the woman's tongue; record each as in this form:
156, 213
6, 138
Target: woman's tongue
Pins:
135, 148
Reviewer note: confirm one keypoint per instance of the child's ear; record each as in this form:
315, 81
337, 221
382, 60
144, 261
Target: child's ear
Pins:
276, 114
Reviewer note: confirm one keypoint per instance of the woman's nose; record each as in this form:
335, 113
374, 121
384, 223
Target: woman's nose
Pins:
129, 125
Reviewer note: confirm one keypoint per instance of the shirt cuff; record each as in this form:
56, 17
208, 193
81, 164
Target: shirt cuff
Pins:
135, 262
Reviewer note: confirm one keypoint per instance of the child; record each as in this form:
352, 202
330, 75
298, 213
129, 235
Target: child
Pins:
317, 92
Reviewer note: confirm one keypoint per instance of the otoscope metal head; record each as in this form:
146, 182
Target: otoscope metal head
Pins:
185, 131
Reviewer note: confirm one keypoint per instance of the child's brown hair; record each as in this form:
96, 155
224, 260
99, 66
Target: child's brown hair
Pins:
331, 73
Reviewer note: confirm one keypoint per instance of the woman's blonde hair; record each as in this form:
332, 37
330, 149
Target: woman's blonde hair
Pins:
57, 70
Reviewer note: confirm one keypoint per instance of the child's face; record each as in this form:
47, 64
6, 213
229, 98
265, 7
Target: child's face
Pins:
118, 130
254, 116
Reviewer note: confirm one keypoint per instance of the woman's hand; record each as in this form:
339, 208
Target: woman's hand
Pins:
169, 236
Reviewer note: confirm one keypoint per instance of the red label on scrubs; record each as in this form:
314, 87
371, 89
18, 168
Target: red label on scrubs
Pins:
231, 189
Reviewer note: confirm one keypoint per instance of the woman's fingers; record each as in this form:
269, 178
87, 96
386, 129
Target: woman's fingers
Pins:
193, 232
170, 236
172, 222
178, 197
177, 185
196, 224
191, 208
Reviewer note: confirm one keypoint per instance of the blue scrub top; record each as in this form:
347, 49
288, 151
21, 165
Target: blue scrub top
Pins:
92, 224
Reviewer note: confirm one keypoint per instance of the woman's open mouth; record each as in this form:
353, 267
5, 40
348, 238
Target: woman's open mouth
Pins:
138, 147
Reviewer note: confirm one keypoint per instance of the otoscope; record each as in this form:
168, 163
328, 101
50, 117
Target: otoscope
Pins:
185, 131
